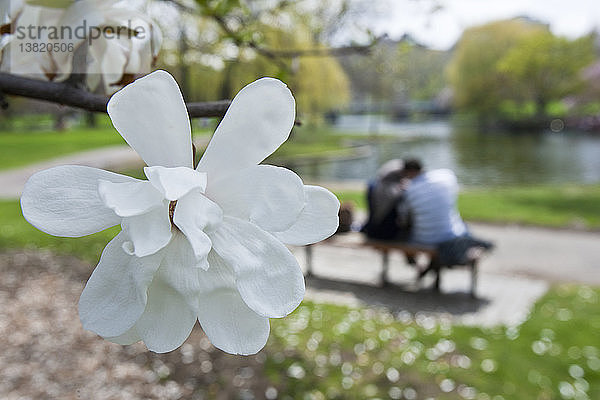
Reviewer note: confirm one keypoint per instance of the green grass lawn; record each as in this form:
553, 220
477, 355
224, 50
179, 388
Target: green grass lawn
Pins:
331, 352
566, 206
553, 206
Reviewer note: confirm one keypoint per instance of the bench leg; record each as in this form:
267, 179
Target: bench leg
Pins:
309, 259
435, 267
385, 265
474, 278
422, 272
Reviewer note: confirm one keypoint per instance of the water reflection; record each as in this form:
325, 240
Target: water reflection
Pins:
478, 158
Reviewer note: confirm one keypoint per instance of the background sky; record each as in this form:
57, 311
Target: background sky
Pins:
439, 23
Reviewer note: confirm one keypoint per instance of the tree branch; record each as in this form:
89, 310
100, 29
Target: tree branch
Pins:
62, 93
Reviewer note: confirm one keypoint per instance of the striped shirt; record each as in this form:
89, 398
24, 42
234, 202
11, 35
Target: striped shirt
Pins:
431, 200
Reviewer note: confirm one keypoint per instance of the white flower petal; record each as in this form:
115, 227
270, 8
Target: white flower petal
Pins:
317, 221
167, 320
175, 182
195, 214
149, 232
182, 271
230, 325
151, 116
179, 270
257, 122
270, 197
268, 276
64, 201
200, 243
224, 316
129, 198
115, 295
195, 208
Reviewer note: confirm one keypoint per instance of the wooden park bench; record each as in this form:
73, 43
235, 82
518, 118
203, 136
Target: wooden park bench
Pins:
412, 250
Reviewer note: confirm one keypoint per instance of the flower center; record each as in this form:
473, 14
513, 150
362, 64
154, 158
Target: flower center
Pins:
172, 205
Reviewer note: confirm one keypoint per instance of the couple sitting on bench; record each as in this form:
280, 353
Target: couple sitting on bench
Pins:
411, 206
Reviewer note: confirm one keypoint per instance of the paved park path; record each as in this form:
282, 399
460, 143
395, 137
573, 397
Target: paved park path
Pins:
525, 262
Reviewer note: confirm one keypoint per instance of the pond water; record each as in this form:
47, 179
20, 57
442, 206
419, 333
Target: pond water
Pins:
478, 158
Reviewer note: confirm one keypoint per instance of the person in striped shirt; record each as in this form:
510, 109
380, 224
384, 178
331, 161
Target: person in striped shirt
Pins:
430, 199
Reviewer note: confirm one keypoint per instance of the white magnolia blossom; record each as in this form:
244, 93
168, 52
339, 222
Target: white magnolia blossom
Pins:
9, 10
119, 41
205, 243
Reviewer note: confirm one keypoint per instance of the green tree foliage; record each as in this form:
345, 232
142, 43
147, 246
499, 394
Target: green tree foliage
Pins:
543, 67
513, 70
478, 85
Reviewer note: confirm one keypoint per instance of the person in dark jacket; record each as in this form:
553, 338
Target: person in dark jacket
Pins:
385, 199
